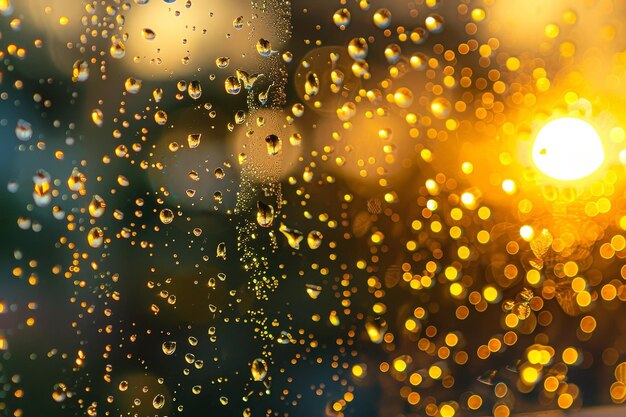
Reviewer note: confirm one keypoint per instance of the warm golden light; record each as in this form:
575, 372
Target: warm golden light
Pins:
568, 149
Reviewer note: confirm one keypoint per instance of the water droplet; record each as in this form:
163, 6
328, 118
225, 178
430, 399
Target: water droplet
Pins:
403, 97
157, 94
118, 49
392, 53
259, 369
23, 130
434, 23
132, 85
95, 237
194, 89
166, 215
361, 69
58, 213
247, 79
232, 85
240, 117
440, 107
148, 34
337, 77
346, 111
76, 180
222, 62
311, 84
294, 237
193, 175
341, 18
59, 392
314, 239
97, 117
80, 71
6, 7
97, 206
376, 330
264, 95
169, 347
159, 401
193, 139
419, 35
418, 61
160, 117
221, 250
264, 47
274, 144
295, 139
42, 188
357, 48
238, 22
264, 214
313, 291
284, 338
298, 109
382, 18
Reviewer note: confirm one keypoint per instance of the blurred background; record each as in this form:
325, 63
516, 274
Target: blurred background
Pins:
310, 208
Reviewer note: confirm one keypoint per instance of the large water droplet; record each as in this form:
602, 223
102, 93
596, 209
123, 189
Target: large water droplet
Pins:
357, 48
148, 34
97, 206
193, 139
95, 237
80, 71
259, 369
159, 401
382, 18
166, 216
264, 47
23, 130
311, 84
274, 144
169, 347
264, 214
232, 85
341, 18
132, 85
314, 239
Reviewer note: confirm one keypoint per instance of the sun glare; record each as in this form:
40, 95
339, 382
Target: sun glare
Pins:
568, 149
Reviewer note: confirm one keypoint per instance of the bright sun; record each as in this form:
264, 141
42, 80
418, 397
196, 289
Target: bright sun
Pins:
568, 149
